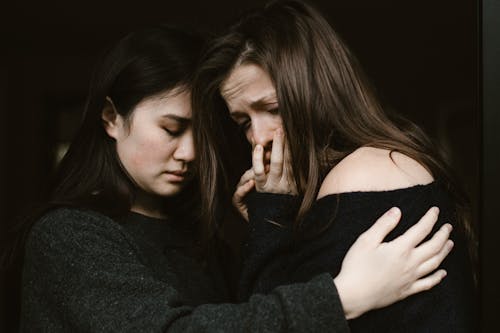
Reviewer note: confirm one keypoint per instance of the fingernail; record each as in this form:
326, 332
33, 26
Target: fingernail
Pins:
436, 210
395, 211
258, 148
279, 131
449, 244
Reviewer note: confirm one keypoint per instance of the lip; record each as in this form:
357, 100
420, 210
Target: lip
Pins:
267, 155
178, 172
176, 176
267, 167
267, 161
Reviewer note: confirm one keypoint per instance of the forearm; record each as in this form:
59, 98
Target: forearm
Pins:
306, 307
270, 236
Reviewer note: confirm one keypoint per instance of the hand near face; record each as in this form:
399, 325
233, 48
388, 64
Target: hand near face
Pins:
279, 178
245, 185
275, 178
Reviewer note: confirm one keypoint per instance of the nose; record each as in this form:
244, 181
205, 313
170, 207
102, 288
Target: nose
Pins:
185, 150
261, 133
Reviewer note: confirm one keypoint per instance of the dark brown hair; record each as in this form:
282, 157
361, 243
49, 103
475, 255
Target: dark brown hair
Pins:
140, 65
322, 94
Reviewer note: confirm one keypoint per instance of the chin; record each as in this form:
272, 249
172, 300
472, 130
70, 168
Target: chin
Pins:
170, 190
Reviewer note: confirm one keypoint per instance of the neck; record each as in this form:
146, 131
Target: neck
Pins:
149, 205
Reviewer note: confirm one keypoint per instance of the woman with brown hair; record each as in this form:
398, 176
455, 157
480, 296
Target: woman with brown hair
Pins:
120, 247
300, 98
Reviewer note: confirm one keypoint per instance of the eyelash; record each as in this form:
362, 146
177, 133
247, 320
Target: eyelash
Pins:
244, 125
173, 133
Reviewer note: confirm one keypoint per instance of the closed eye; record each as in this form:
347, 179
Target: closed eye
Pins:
174, 125
244, 125
242, 121
175, 131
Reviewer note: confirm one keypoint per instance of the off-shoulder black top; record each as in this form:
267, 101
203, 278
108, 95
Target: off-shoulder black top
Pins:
276, 254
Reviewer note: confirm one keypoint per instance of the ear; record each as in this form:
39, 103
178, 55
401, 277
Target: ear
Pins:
111, 120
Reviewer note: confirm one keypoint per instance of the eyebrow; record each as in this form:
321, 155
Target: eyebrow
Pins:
179, 119
260, 103
237, 114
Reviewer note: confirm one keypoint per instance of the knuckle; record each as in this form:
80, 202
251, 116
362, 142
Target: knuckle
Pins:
364, 238
434, 263
435, 248
428, 284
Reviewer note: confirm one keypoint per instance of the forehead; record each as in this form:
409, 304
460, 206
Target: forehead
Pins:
175, 102
247, 83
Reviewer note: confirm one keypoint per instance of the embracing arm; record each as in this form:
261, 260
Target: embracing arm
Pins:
83, 273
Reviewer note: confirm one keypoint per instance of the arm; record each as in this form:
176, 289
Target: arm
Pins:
83, 274
397, 268
269, 245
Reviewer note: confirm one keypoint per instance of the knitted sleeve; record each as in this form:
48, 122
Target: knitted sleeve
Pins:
82, 274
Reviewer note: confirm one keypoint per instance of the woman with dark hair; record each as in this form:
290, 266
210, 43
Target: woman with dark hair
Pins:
299, 97
120, 247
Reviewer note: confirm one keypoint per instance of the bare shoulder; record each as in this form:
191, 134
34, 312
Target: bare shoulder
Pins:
374, 169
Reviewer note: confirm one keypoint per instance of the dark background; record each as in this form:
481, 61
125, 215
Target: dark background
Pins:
425, 58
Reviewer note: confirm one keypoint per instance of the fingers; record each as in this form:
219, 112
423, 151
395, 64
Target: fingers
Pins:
426, 283
417, 233
436, 260
246, 177
381, 228
288, 171
258, 166
239, 195
245, 185
276, 167
242, 191
435, 245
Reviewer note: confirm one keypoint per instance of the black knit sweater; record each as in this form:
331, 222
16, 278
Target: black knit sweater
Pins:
85, 272
276, 255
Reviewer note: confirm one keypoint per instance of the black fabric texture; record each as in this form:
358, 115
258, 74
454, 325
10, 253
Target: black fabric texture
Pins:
85, 272
331, 227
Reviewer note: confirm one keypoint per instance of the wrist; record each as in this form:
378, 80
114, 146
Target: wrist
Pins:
280, 208
351, 303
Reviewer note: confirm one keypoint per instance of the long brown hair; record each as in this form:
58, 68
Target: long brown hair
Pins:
322, 94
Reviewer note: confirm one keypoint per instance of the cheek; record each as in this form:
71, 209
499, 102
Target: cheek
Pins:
265, 125
248, 135
277, 121
147, 152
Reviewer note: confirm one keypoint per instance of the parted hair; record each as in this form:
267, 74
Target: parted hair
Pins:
328, 106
